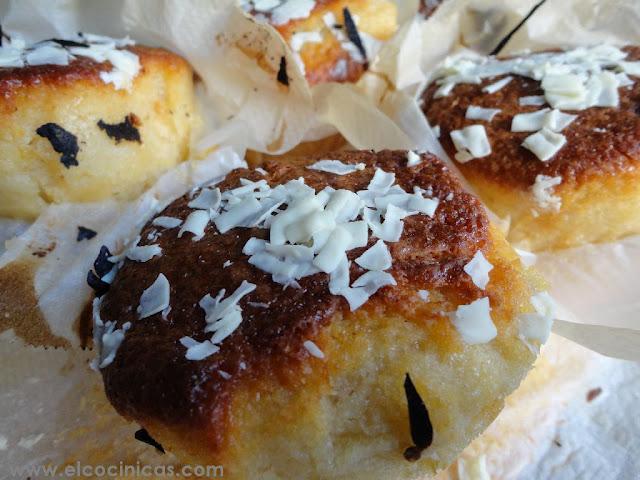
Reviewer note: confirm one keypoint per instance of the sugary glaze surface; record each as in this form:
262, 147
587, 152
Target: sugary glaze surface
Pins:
281, 409
14, 80
601, 141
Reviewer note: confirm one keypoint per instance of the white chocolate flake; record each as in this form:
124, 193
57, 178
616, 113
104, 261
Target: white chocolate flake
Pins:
166, 222
198, 350
478, 269
480, 113
537, 325
313, 349
376, 258
497, 86
195, 223
125, 64
471, 142
336, 166
543, 195
544, 144
413, 159
474, 323
155, 298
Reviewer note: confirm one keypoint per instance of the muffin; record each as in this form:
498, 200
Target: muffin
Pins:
88, 119
549, 140
354, 316
333, 40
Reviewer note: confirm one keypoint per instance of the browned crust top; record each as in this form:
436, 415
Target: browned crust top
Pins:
587, 153
150, 376
14, 80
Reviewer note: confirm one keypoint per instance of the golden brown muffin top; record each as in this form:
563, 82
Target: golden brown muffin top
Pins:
15, 79
150, 376
601, 141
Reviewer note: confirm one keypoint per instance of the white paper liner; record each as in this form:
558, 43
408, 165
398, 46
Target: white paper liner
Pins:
550, 430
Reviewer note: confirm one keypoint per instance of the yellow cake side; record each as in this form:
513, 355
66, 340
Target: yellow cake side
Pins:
346, 414
31, 172
600, 208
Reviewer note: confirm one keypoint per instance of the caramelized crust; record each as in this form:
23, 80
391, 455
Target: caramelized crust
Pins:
430, 254
600, 142
13, 81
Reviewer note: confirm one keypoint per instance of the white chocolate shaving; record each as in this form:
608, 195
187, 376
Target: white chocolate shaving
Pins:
544, 144
195, 223
474, 323
471, 142
126, 64
413, 158
480, 113
497, 86
533, 100
375, 258
336, 166
166, 222
528, 259
537, 325
106, 337
542, 191
222, 316
143, 253
313, 349
478, 269
381, 182
198, 350
553, 120
207, 199
155, 298
298, 39
291, 10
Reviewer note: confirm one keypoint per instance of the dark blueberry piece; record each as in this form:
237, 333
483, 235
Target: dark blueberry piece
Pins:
85, 233
62, 142
283, 77
354, 35
419, 422
143, 436
125, 130
102, 265
97, 285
